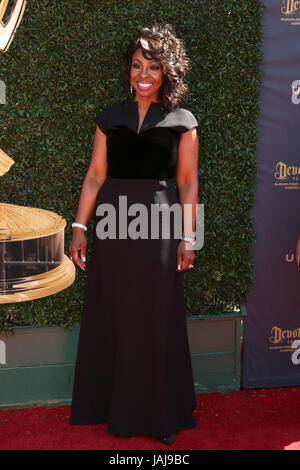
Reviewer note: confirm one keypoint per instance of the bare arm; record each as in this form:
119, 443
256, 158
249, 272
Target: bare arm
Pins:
92, 182
94, 178
187, 183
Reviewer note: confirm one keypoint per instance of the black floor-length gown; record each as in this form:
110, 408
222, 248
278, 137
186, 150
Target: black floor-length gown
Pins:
133, 367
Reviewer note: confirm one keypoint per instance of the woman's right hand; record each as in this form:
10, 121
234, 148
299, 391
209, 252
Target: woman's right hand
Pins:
78, 243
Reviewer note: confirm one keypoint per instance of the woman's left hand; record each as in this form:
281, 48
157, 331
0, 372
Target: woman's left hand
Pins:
185, 256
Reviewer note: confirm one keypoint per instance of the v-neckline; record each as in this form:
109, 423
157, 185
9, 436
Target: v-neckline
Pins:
138, 131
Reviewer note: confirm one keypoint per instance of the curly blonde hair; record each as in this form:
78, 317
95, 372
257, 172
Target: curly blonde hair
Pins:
160, 42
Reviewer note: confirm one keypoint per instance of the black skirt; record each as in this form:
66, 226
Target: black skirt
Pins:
133, 367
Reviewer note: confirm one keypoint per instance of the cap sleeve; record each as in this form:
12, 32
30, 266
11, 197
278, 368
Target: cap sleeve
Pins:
187, 120
102, 120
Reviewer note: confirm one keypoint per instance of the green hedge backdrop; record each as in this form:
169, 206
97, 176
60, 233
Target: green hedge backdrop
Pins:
65, 65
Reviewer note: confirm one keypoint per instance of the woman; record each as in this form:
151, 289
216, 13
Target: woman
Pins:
133, 366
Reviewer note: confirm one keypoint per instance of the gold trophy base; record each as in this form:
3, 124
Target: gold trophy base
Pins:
44, 284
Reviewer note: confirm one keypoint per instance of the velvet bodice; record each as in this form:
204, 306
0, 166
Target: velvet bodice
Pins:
151, 153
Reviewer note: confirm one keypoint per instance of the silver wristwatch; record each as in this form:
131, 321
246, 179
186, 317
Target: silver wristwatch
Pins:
191, 240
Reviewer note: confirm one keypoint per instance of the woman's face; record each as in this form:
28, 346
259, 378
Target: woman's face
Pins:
146, 76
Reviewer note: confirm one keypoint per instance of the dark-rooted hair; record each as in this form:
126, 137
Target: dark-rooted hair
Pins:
160, 42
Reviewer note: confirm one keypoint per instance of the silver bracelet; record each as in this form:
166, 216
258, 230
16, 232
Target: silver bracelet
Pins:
76, 224
191, 240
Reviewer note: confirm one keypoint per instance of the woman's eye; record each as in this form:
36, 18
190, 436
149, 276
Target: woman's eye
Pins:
153, 67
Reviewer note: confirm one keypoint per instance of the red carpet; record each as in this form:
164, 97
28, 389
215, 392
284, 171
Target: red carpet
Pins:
266, 419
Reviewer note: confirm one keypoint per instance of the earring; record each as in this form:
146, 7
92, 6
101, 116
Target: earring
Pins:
131, 89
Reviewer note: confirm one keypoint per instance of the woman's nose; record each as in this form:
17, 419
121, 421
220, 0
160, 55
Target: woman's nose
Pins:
143, 73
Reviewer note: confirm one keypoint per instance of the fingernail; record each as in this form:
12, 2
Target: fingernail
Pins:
178, 266
83, 259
